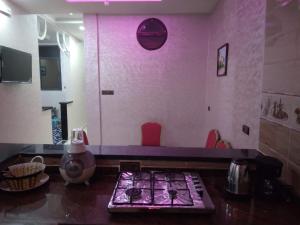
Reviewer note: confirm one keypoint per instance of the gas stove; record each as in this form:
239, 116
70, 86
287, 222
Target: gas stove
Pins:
155, 191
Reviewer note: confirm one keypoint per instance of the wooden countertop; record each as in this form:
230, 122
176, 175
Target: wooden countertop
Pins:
180, 154
77, 204
148, 152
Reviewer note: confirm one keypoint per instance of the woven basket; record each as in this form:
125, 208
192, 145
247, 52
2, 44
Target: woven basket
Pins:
24, 176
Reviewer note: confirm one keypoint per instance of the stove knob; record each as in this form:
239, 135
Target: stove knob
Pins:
195, 178
198, 186
200, 192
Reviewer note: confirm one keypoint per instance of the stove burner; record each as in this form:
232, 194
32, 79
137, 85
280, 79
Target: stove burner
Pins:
172, 193
137, 176
133, 193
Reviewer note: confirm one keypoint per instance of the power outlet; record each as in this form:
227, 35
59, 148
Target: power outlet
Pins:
108, 92
246, 129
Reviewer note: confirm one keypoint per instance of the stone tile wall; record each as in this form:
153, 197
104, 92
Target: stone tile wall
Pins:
280, 108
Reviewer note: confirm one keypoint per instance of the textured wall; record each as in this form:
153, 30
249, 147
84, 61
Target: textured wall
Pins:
166, 85
280, 124
22, 119
235, 98
92, 79
77, 88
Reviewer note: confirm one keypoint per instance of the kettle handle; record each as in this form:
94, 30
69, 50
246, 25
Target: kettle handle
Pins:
247, 170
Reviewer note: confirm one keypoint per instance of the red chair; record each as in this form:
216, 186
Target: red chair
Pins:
222, 144
212, 138
151, 134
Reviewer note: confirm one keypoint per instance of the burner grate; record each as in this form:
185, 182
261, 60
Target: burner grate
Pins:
182, 198
133, 189
157, 188
170, 189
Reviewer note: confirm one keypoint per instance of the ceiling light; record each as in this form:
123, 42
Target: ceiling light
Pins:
284, 2
4, 9
105, 1
42, 28
69, 21
81, 28
70, 14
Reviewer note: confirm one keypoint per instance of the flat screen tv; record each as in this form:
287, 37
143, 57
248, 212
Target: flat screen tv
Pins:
16, 66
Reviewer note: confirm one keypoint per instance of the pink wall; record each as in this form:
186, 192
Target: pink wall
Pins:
235, 99
175, 84
92, 79
166, 85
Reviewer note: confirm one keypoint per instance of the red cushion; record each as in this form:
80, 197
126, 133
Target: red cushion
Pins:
212, 139
151, 134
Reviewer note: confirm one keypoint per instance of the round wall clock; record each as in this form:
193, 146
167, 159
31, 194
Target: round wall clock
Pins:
152, 34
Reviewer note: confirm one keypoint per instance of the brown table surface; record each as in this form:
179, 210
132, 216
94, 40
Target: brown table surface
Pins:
54, 203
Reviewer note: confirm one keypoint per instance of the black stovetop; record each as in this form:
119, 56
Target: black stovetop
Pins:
159, 191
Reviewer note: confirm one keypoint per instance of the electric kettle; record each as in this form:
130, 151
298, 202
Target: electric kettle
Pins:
238, 181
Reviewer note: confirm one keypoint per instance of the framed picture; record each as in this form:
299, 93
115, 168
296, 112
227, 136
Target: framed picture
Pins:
222, 60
